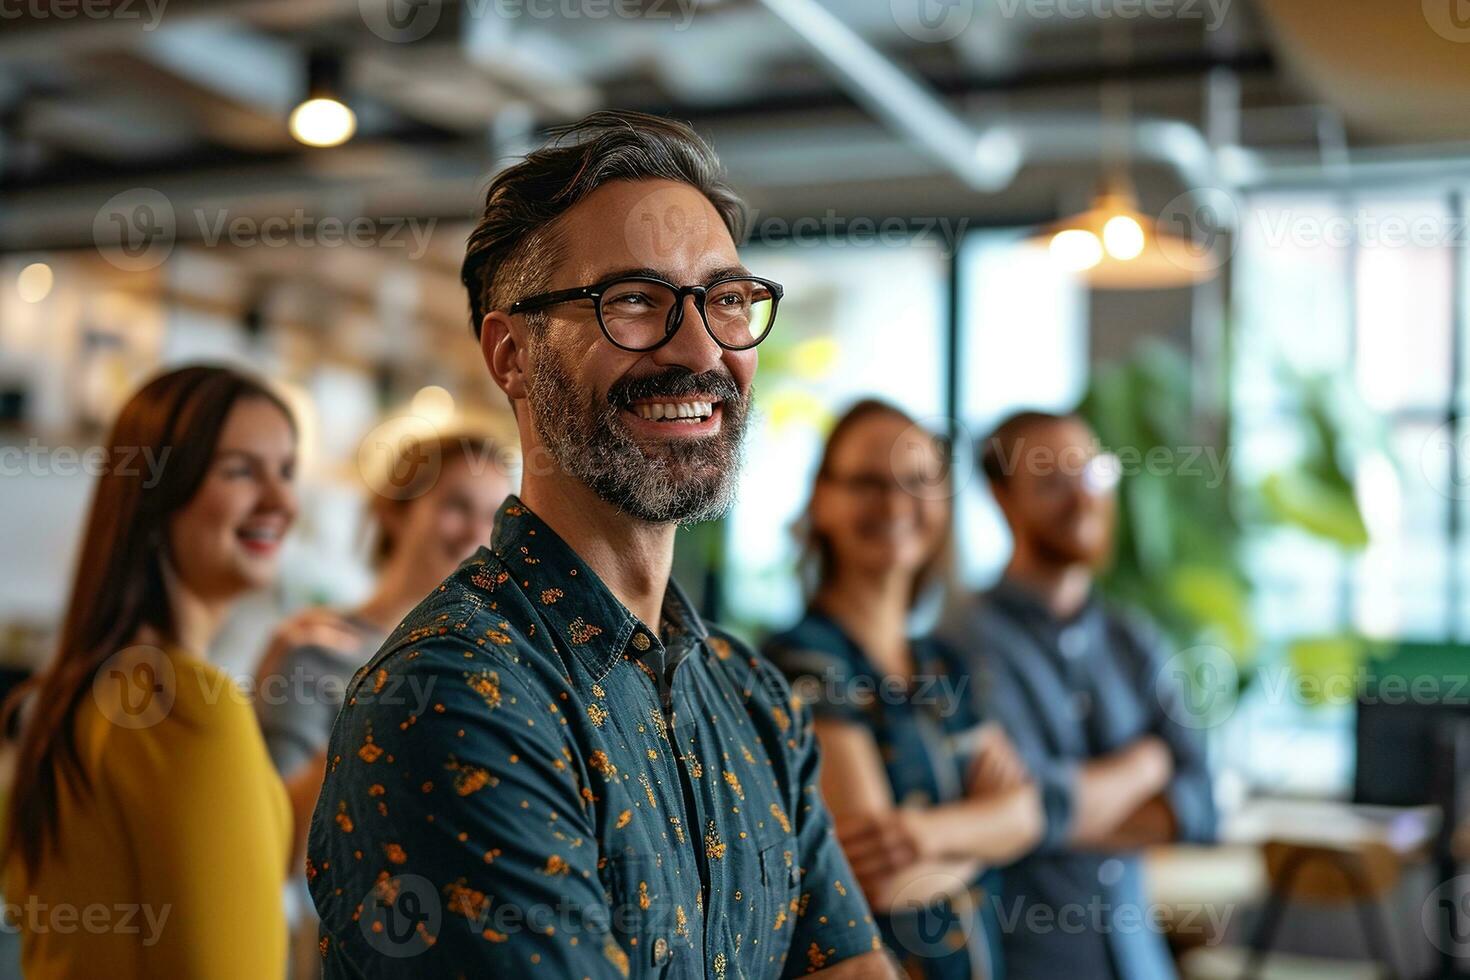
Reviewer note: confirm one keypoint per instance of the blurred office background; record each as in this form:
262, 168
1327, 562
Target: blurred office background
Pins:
1235, 231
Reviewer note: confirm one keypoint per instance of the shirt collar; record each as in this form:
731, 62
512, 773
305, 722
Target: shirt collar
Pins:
573, 601
1023, 601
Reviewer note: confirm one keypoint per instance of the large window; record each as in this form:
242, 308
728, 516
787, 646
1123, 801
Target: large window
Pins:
1357, 296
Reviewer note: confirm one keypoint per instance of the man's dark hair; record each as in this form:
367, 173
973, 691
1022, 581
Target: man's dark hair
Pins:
515, 241
997, 450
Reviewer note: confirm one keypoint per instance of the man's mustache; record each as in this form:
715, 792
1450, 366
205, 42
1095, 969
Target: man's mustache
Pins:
674, 383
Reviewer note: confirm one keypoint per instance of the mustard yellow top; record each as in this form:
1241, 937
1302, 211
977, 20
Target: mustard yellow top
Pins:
174, 864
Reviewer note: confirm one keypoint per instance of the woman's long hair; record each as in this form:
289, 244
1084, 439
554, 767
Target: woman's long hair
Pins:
157, 456
815, 561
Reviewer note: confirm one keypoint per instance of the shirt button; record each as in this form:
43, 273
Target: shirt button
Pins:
640, 641
660, 950
1073, 642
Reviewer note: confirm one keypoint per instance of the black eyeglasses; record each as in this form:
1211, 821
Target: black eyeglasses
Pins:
642, 313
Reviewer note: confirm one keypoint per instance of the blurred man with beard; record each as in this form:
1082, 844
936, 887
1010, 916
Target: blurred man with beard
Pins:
553, 767
1082, 691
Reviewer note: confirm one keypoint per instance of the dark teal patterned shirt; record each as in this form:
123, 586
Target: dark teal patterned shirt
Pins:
527, 781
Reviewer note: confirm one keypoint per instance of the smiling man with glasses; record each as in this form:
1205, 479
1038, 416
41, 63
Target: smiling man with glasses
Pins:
602, 785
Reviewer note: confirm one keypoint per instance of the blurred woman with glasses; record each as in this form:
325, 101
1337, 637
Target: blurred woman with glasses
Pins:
924, 796
147, 834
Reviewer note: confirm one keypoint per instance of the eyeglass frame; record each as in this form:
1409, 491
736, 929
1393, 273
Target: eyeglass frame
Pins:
594, 292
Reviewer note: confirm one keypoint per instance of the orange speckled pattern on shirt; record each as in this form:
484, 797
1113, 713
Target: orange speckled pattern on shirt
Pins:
529, 781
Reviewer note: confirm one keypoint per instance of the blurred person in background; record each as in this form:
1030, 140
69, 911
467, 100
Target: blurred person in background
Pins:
924, 796
1077, 685
143, 788
430, 510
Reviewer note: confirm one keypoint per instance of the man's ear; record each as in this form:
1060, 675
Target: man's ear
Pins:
503, 345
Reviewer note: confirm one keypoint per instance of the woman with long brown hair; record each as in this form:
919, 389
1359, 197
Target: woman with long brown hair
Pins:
924, 796
147, 833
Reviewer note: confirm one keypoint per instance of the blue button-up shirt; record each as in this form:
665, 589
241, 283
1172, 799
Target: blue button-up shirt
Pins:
528, 781
1067, 692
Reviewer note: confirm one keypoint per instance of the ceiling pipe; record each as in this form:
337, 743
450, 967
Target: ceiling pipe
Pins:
989, 158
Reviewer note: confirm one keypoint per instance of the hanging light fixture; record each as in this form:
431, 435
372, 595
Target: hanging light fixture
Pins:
322, 119
1113, 244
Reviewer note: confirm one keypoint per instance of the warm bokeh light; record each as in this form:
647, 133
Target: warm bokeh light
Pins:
323, 122
434, 404
1123, 237
34, 282
1076, 249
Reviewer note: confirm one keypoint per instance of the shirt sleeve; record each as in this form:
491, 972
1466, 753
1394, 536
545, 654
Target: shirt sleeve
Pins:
296, 704
1190, 792
451, 836
834, 922
1005, 702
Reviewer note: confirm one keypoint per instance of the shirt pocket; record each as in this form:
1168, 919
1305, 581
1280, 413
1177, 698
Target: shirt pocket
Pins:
643, 914
770, 908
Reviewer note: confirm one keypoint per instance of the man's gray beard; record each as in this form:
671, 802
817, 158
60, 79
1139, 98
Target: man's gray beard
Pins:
588, 441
